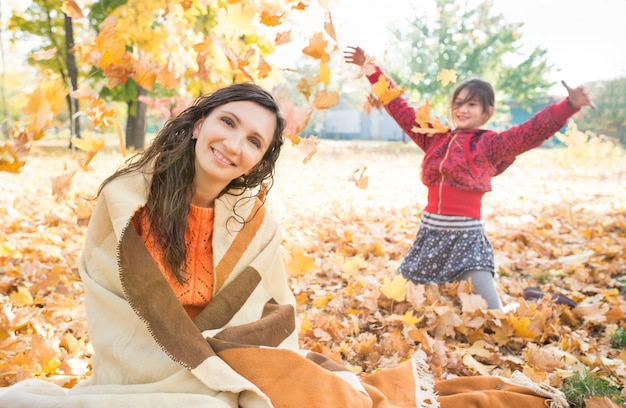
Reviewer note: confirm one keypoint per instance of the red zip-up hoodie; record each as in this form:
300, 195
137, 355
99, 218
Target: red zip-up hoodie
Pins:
458, 165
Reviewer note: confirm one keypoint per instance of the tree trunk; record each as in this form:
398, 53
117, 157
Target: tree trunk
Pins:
136, 122
72, 72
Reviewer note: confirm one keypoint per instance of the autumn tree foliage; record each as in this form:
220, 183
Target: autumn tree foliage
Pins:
51, 23
472, 41
144, 50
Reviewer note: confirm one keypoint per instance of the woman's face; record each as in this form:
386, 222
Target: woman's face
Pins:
231, 141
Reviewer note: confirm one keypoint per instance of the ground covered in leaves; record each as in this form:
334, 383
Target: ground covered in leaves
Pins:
556, 219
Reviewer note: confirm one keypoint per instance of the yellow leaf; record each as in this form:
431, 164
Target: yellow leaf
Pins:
521, 327
409, 319
394, 289
299, 263
324, 73
446, 76
88, 144
21, 297
235, 19
384, 93
352, 266
417, 77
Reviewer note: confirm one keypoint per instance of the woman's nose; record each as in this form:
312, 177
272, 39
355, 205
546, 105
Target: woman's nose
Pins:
233, 143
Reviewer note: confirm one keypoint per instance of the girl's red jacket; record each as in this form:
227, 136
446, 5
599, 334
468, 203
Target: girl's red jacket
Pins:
458, 165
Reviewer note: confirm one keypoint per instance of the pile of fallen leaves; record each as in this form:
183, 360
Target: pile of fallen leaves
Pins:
556, 222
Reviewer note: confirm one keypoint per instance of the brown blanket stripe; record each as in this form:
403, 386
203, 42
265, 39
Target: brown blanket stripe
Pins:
227, 264
166, 319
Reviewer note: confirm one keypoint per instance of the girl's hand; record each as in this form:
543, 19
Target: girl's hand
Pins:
355, 55
578, 97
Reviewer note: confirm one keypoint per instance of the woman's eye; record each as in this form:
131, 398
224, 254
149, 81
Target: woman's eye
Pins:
255, 142
228, 121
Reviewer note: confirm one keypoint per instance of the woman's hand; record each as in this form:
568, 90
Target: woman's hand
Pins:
355, 55
578, 97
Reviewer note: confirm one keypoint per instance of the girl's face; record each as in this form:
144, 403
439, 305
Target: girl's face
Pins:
231, 141
469, 114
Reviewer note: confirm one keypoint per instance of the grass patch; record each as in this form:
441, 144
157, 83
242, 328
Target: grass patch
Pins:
584, 385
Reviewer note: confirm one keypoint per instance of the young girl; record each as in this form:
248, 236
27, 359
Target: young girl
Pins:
457, 169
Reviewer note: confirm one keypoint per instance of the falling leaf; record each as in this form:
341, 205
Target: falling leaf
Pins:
317, 48
283, 37
383, 91
309, 147
271, 19
417, 77
72, 9
325, 100
446, 76
43, 54
360, 179
328, 26
61, 184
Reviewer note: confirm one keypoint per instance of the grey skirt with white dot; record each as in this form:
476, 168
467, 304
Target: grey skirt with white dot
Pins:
445, 247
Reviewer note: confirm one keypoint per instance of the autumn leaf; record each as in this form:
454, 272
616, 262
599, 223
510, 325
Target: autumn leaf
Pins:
328, 26
309, 147
359, 178
317, 48
12, 165
383, 91
61, 184
394, 289
446, 76
425, 123
21, 297
144, 73
43, 54
72, 9
324, 73
235, 19
282, 37
271, 19
409, 319
167, 77
324, 100
100, 115
416, 77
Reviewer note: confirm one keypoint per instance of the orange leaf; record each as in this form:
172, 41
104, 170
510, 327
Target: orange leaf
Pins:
317, 48
167, 77
325, 100
144, 72
61, 184
263, 69
70, 8
271, 19
328, 26
283, 38
308, 146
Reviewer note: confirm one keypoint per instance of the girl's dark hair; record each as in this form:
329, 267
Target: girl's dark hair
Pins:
478, 89
170, 160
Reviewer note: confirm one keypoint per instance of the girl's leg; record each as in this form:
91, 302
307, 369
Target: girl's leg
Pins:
485, 286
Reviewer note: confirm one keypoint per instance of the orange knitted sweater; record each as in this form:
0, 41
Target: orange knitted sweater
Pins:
197, 290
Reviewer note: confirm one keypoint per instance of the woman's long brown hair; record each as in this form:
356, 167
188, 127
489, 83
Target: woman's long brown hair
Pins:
169, 159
